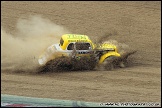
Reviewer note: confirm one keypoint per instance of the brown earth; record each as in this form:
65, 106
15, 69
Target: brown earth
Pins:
138, 24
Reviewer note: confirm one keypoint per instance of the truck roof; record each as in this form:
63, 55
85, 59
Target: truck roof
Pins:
66, 39
73, 37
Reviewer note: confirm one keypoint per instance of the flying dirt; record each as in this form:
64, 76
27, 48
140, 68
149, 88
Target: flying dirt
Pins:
137, 26
78, 52
20, 51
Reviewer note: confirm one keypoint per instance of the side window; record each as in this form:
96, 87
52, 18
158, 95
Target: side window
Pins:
61, 41
70, 46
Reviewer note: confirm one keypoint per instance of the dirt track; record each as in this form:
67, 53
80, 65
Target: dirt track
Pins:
138, 25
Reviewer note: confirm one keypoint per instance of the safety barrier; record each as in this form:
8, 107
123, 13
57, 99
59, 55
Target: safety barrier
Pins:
21, 101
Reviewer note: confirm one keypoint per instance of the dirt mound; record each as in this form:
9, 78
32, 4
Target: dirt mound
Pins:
70, 64
84, 63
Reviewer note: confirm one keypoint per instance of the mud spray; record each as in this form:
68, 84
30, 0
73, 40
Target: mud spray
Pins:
106, 38
84, 63
20, 52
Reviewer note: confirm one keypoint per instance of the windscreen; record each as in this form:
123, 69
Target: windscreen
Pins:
79, 46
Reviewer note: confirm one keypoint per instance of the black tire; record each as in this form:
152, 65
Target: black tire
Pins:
84, 63
109, 63
123, 63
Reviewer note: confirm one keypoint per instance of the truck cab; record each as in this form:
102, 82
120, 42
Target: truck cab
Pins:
67, 41
76, 45
81, 44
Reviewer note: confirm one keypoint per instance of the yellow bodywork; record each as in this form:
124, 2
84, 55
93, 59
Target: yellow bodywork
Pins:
51, 52
103, 57
69, 38
108, 49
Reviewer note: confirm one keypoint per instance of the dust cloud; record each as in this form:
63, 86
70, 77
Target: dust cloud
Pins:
20, 52
121, 47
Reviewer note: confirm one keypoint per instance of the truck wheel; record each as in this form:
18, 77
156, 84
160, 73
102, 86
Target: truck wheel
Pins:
123, 63
109, 63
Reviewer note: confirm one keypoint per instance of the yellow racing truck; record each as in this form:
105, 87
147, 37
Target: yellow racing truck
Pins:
78, 52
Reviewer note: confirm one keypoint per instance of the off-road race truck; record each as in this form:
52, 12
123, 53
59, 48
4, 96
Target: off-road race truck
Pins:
78, 52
